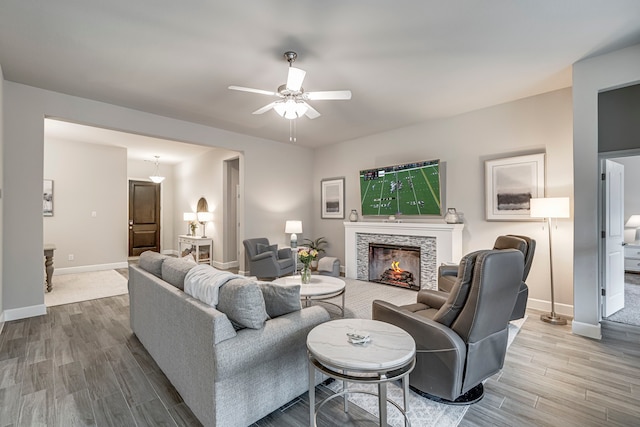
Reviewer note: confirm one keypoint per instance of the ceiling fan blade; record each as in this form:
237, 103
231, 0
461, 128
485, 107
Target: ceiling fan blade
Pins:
295, 78
264, 109
312, 113
328, 95
248, 89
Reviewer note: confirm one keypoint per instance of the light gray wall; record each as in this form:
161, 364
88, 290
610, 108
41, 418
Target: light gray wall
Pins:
532, 125
202, 176
139, 170
590, 76
1, 191
87, 178
273, 175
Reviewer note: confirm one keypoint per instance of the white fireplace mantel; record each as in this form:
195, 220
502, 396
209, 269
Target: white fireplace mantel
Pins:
448, 239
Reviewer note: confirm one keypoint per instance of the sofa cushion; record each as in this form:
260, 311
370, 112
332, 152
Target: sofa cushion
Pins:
242, 301
152, 262
261, 248
175, 269
280, 300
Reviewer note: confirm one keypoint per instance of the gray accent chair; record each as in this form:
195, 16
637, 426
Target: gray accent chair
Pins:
461, 336
447, 274
268, 264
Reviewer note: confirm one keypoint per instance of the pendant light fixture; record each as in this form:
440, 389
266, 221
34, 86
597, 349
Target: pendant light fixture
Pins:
156, 174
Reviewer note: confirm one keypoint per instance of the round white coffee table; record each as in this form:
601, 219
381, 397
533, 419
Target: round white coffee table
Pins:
388, 356
321, 288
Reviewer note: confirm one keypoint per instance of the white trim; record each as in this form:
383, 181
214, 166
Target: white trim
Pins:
1, 322
543, 305
24, 312
586, 330
225, 265
244, 272
170, 252
88, 268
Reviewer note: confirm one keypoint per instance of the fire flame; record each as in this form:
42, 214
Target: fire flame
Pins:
394, 266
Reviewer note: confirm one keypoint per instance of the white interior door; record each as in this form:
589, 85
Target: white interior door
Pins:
613, 299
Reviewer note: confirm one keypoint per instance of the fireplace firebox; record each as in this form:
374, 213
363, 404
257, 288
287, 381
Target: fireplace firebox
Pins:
395, 265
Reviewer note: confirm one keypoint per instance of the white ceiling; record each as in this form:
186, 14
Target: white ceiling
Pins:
405, 61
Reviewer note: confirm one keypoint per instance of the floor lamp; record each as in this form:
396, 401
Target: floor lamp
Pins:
549, 208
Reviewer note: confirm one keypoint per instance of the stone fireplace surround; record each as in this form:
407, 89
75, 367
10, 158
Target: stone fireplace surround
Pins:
439, 243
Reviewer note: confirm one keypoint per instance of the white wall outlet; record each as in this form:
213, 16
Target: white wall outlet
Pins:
94, 214
70, 257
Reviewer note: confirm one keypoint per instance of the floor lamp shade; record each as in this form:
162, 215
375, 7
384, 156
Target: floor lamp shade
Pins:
293, 227
551, 207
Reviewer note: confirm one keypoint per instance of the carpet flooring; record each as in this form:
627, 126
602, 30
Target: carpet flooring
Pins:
423, 412
70, 288
630, 314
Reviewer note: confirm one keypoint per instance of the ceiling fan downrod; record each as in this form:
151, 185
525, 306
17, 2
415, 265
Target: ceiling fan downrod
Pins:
291, 57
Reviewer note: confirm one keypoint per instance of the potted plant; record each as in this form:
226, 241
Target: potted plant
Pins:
318, 245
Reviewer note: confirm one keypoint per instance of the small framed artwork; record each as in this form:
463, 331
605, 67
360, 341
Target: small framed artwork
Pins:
332, 198
47, 201
509, 185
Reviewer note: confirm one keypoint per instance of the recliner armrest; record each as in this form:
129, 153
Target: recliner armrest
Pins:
448, 270
434, 299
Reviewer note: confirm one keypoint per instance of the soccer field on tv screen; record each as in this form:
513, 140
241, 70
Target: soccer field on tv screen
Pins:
410, 189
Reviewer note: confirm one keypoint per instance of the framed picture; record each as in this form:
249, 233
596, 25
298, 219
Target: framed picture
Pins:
47, 200
510, 184
332, 202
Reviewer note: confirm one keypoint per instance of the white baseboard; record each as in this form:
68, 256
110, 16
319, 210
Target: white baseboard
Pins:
88, 268
586, 330
24, 312
170, 252
225, 265
1, 322
542, 305
244, 272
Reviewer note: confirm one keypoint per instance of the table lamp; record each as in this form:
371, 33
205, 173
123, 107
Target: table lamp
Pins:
204, 218
549, 208
293, 227
634, 222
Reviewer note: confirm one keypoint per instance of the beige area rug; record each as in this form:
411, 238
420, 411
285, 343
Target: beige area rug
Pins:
69, 288
422, 412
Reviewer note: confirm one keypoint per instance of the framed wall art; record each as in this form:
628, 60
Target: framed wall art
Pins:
47, 200
509, 185
332, 198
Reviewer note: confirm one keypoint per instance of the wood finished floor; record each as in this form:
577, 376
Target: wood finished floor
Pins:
81, 365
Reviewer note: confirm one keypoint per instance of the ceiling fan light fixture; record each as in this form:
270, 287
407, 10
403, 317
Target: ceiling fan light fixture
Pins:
290, 109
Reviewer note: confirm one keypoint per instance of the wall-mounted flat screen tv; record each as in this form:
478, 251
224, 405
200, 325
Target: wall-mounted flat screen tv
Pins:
407, 189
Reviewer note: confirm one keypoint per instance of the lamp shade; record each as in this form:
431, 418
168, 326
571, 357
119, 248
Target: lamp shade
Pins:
293, 227
550, 207
633, 221
189, 216
205, 216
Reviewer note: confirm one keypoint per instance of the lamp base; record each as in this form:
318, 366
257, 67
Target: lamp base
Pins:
553, 319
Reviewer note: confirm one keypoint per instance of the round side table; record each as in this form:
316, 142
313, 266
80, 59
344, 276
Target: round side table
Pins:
388, 356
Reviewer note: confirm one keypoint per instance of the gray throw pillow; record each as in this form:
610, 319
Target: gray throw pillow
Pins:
242, 301
261, 248
152, 262
279, 299
175, 269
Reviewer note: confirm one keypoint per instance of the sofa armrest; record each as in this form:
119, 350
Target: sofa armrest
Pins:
280, 335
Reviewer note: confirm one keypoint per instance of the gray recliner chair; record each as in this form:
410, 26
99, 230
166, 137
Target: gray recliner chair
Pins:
447, 273
267, 261
461, 336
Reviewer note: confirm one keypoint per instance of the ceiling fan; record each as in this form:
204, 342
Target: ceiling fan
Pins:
293, 99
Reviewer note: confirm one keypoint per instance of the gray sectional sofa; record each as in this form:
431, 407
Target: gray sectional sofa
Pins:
227, 376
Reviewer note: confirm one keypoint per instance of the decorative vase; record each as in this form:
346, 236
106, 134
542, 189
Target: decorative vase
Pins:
353, 216
452, 216
305, 274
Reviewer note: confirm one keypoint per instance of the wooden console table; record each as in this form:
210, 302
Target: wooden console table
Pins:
48, 263
201, 248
